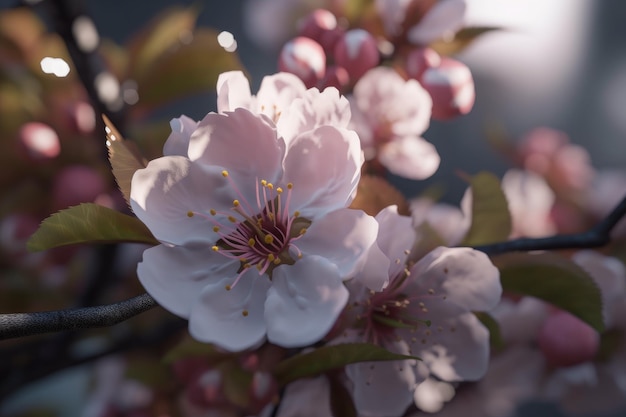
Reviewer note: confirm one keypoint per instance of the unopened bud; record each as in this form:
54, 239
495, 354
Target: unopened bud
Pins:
419, 60
39, 141
451, 87
336, 77
305, 58
565, 340
357, 52
316, 23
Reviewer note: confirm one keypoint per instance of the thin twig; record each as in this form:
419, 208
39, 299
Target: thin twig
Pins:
597, 236
28, 324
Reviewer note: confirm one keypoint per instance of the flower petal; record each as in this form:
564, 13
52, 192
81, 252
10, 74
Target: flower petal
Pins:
342, 237
383, 388
244, 144
312, 110
178, 141
410, 157
233, 91
454, 281
232, 320
395, 237
175, 276
442, 20
163, 194
456, 349
277, 92
324, 166
304, 302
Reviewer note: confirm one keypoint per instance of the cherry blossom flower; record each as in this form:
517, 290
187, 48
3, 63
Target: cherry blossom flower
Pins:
425, 310
390, 114
256, 237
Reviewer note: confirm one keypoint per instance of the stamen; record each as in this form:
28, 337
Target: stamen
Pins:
245, 313
236, 203
225, 174
269, 239
216, 229
251, 242
190, 214
215, 248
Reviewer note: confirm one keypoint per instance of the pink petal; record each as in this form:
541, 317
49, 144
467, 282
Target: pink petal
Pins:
175, 276
342, 237
454, 281
304, 302
233, 91
302, 394
395, 237
312, 110
383, 388
233, 320
444, 19
457, 349
241, 142
163, 194
178, 141
410, 157
324, 166
277, 92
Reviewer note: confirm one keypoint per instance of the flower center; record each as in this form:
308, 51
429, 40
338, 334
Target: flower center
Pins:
262, 234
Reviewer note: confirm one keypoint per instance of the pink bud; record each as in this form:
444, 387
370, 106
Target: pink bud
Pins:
82, 117
336, 77
565, 340
76, 184
357, 52
316, 23
39, 140
305, 58
451, 87
421, 59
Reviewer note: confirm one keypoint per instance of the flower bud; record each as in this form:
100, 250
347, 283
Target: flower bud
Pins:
335, 77
357, 52
316, 23
305, 58
451, 87
419, 60
39, 141
565, 340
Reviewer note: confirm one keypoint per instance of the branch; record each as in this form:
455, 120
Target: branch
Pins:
28, 324
597, 236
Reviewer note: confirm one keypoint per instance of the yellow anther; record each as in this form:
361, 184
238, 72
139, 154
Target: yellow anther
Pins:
224, 173
190, 214
270, 185
276, 261
216, 229
215, 248
299, 256
271, 257
279, 190
269, 239
245, 313
228, 287
263, 183
296, 213
259, 266
243, 260
232, 219
213, 212
290, 185
251, 242
236, 203
246, 265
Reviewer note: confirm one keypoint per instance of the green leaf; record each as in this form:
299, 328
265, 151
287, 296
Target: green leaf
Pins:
189, 347
89, 223
491, 220
331, 357
495, 337
462, 39
162, 34
124, 158
190, 69
554, 279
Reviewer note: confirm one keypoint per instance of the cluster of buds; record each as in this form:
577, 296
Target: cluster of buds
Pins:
328, 52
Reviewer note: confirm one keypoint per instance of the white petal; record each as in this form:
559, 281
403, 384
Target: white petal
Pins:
342, 237
442, 20
302, 395
163, 193
383, 388
244, 144
220, 315
410, 157
312, 110
396, 236
454, 281
175, 276
431, 395
324, 166
178, 141
457, 349
233, 91
304, 302
277, 92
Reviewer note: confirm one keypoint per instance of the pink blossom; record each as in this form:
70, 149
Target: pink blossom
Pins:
425, 310
256, 237
390, 114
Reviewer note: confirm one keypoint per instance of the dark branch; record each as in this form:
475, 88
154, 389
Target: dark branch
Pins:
597, 236
28, 324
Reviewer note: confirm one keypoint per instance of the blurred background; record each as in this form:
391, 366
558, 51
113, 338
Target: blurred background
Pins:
560, 64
